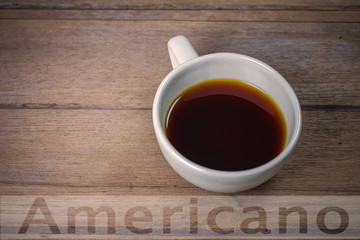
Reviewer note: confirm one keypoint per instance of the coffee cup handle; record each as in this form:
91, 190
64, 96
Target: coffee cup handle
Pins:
180, 50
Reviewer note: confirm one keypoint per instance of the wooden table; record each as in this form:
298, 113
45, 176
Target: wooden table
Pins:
77, 81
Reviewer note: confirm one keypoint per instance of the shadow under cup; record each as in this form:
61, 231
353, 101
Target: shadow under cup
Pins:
226, 66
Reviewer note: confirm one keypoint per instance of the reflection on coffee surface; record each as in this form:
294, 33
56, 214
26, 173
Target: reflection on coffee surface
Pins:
226, 124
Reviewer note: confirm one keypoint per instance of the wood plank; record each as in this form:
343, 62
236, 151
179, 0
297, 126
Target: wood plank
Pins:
169, 217
115, 151
182, 4
119, 64
187, 15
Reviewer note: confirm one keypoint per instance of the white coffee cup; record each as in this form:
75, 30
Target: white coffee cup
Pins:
190, 69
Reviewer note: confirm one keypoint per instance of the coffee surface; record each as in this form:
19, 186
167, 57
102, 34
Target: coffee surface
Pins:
226, 125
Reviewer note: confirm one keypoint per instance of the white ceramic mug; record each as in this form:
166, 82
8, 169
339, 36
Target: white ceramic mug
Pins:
190, 69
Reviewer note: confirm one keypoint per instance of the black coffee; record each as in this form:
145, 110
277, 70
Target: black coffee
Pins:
226, 125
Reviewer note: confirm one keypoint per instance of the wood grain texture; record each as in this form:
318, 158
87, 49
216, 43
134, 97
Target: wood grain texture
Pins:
119, 64
77, 81
115, 151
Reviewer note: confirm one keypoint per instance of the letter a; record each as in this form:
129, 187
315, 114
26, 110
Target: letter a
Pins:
48, 219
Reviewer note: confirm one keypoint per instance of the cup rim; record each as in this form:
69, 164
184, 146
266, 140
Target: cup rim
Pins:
160, 133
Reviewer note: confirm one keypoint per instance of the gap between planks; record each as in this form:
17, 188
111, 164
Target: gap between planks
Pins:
331, 108
183, 4
186, 15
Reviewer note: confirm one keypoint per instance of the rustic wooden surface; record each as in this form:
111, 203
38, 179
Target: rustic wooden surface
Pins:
77, 81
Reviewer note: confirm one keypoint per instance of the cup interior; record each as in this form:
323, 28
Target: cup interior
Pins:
232, 66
